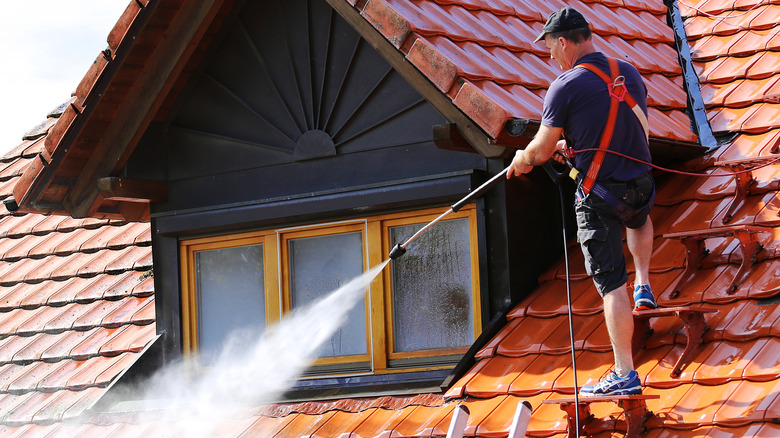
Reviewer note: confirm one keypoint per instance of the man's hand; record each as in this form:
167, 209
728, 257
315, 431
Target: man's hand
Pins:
538, 151
519, 166
563, 149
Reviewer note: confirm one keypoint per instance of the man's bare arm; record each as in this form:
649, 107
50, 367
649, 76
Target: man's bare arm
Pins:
541, 149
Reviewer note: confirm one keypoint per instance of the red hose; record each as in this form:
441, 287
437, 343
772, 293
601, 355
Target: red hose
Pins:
680, 172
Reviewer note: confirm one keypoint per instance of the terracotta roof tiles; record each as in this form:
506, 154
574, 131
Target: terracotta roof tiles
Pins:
68, 289
92, 274
486, 46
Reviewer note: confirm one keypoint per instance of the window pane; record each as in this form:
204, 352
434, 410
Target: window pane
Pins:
319, 265
231, 295
432, 300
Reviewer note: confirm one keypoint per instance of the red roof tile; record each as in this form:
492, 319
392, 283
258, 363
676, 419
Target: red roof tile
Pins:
495, 375
492, 73
716, 390
541, 375
268, 426
41, 258
132, 339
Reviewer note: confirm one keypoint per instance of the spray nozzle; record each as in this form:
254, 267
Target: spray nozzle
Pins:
397, 251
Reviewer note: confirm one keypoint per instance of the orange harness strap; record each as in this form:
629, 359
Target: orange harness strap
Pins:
617, 93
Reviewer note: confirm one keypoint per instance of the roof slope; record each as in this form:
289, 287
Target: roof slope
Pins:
481, 54
732, 383
733, 379
76, 303
478, 66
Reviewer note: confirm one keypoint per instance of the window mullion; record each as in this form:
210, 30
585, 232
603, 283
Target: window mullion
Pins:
377, 292
273, 305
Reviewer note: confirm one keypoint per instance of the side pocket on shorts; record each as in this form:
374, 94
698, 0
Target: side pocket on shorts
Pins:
597, 251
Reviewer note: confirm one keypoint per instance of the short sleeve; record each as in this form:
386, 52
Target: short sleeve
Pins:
555, 105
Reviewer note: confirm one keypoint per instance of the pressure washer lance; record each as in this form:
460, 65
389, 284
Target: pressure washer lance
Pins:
400, 249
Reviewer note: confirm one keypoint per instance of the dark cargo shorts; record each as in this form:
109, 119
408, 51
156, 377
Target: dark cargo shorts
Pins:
600, 231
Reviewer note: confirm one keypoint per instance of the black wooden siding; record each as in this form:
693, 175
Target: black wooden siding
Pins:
294, 101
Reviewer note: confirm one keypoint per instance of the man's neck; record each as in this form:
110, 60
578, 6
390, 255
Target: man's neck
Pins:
586, 48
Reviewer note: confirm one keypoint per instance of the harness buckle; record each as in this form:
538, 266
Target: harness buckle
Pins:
617, 88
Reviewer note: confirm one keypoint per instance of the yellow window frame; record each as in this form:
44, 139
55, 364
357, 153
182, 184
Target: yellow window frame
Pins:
189, 293
375, 232
421, 218
285, 236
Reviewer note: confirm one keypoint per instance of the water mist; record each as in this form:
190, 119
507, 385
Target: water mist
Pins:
252, 369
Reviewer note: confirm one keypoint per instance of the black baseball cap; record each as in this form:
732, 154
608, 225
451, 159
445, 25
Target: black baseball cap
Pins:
562, 20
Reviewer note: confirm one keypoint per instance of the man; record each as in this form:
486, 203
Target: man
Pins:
576, 106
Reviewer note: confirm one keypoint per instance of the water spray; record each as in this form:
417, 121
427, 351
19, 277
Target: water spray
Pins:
400, 248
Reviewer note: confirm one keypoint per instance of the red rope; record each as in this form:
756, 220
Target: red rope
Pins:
680, 172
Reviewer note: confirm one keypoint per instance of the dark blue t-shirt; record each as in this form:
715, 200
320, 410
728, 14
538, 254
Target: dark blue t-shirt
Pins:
578, 102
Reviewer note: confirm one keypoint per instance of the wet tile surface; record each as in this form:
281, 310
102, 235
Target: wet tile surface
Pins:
75, 308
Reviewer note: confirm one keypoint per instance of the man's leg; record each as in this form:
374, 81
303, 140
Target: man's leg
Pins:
640, 243
620, 326
623, 380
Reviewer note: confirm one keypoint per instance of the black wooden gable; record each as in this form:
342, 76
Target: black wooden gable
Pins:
293, 101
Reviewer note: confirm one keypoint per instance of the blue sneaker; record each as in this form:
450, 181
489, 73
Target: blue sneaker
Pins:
614, 385
643, 298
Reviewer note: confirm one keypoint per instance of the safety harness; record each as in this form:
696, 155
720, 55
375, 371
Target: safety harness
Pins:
585, 185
